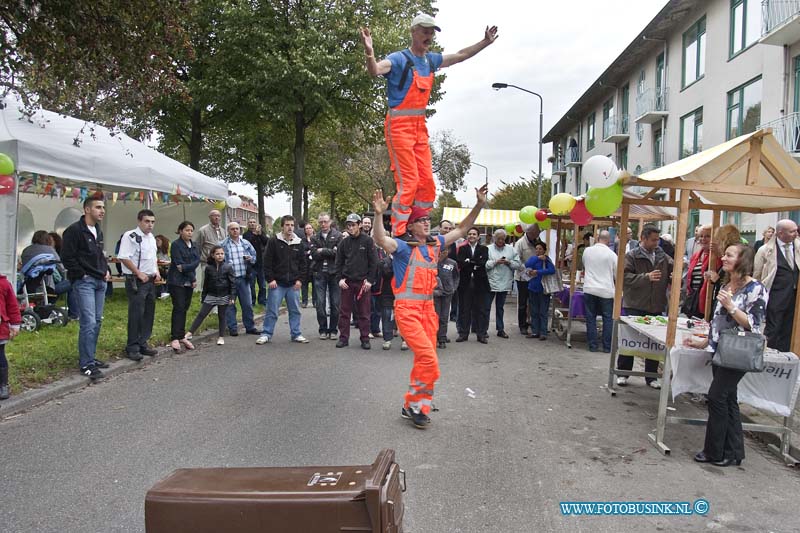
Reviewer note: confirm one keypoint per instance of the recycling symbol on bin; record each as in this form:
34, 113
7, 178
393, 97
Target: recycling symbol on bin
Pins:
325, 480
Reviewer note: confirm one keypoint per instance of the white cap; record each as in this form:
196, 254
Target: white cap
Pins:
426, 21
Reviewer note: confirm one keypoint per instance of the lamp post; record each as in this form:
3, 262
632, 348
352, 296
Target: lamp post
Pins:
484, 168
498, 86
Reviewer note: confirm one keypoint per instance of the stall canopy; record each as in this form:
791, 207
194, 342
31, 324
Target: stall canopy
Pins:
76, 152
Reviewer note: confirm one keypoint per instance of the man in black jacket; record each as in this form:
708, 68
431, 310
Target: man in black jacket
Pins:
255, 236
473, 289
87, 269
326, 287
356, 269
284, 264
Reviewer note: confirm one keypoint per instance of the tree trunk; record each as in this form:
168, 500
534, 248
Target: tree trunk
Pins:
299, 164
196, 139
305, 203
332, 210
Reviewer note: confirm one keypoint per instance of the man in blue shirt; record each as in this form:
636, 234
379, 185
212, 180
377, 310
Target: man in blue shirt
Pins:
409, 75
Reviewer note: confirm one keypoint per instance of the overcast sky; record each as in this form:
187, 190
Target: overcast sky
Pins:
555, 49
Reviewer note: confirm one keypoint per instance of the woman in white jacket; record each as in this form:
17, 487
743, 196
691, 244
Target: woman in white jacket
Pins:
503, 262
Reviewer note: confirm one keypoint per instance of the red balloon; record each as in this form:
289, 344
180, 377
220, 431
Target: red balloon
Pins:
579, 214
7, 185
519, 229
541, 214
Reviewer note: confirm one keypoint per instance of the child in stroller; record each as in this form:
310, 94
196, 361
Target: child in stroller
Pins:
38, 287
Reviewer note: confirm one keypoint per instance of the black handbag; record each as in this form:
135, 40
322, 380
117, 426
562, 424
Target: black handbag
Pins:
690, 305
740, 350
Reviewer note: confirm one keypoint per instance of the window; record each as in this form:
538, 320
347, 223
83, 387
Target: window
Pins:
608, 118
730, 217
658, 149
623, 157
694, 221
694, 53
563, 187
744, 109
626, 96
745, 24
692, 133
640, 83
578, 181
590, 132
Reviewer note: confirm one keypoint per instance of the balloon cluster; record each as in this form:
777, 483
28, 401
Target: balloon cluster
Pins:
232, 201
7, 181
602, 199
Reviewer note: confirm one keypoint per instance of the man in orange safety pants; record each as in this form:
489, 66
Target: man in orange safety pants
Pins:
415, 268
409, 76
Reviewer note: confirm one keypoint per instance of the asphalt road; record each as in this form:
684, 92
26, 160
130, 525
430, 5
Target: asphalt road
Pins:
540, 429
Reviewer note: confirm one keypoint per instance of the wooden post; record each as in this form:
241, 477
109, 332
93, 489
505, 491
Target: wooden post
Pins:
712, 260
795, 344
623, 244
677, 270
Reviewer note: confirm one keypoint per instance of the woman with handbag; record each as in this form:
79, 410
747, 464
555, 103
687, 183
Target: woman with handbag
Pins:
697, 283
538, 266
741, 304
181, 282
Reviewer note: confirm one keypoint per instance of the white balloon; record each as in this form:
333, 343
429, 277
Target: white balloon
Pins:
600, 172
234, 202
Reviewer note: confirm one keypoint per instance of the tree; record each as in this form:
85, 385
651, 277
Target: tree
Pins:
450, 160
445, 199
518, 195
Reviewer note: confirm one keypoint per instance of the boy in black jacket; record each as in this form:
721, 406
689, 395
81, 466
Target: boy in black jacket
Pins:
356, 263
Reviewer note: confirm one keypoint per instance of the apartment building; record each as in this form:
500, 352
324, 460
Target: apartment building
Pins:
700, 73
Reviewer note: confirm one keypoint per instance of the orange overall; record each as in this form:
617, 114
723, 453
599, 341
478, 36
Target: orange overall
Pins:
409, 152
418, 324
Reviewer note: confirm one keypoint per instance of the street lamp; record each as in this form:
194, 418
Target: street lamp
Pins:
484, 168
498, 86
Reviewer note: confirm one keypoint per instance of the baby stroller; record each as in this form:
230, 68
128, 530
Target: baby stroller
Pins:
36, 292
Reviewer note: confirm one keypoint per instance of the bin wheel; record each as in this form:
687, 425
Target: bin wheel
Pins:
30, 320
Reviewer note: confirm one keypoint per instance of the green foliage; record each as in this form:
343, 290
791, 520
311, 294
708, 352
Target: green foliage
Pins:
450, 160
519, 194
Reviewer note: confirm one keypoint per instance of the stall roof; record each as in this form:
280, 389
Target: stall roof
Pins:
45, 143
749, 173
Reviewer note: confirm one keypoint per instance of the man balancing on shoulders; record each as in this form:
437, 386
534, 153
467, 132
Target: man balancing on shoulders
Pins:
415, 269
409, 80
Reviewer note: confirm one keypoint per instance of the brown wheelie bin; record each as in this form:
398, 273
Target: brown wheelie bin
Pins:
279, 500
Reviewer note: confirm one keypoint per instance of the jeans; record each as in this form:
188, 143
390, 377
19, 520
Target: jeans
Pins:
91, 297
360, 307
540, 305
387, 322
724, 438
204, 310
375, 316
181, 300
141, 312
625, 362
64, 286
500, 298
442, 306
596, 305
258, 277
304, 292
274, 298
324, 285
523, 308
241, 293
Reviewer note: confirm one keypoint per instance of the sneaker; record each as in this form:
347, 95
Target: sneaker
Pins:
377, 335
97, 363
365, 345
387, 345
371, 336
622, 381
655, 384
324, 336
220, 341
406, 413
148, 351
300, 339
5, 394
420, 420
404, 346
341, 343
164, 296
263, 339
92, 372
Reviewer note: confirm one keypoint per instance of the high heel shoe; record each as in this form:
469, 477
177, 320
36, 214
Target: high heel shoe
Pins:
176, 346
701, 457
189, 345
728, 462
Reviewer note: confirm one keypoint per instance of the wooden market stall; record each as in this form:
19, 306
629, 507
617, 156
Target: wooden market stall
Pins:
751, 173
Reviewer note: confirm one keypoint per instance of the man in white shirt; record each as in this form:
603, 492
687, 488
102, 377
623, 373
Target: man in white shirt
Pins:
138, 254
600, 266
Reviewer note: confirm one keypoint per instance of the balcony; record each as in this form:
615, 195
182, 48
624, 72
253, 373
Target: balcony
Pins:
780, 22
651, 105
572, 157
559, 169
787, 132
615, 129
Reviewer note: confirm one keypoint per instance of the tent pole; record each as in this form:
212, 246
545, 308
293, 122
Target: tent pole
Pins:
621, 247
558, 265
795, 343
573, 267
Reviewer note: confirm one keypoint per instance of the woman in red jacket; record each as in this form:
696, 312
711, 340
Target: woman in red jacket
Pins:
10, 320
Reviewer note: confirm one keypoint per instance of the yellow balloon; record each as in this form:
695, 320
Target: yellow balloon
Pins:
562, 204
219, 205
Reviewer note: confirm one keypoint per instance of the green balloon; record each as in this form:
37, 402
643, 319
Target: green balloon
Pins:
6, 165
603, 202
528, 214
510, 227
545, 224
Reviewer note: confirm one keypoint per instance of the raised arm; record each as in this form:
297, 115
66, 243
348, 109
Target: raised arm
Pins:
374, 67
379, 205
490, 36
469, 220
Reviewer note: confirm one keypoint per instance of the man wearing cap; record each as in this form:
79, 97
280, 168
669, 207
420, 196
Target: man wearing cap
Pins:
355, 271
415, 270
405, 129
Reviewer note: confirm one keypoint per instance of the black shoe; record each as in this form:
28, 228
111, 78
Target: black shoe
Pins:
502, 334
483, 340
253, 331
405, 413
365, 345
233, 332
441, 344
523, 331
148, 351
532, 336
447, 339
97, 363
420, 420
727, 462
407, 237
341, 344
462, 338
133, 356
701, 457
92, 372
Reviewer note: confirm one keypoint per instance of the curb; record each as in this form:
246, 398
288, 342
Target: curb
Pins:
34, 397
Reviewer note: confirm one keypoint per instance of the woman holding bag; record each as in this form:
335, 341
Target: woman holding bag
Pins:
697, 279
181, 282
538, 266
741, 302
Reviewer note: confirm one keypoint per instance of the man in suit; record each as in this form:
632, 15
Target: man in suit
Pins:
776, 266
473, 289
